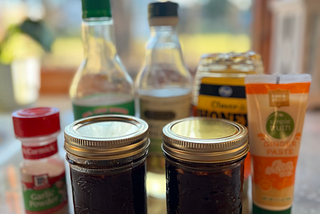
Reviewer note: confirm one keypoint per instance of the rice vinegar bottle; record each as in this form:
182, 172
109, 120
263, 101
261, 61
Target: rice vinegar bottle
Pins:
163, 87
101, 84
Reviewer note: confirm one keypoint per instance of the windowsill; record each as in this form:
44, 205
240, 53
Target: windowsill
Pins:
56, 80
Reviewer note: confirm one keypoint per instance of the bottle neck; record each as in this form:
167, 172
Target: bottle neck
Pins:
97, 35
163, 46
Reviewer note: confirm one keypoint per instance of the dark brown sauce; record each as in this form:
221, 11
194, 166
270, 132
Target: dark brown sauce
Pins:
197, 190
118, 193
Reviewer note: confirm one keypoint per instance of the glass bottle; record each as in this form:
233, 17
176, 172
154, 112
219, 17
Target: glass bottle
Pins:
101, 85
163, 87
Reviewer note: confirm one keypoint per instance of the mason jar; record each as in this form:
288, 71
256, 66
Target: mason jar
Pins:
107, 159
204, 165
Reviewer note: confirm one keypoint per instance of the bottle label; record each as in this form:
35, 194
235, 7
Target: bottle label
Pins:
222, 98
158, 112
81, 111
45, 195
37, 152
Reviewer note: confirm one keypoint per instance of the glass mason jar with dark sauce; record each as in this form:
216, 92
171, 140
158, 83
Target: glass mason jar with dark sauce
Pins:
107, 158
204, 165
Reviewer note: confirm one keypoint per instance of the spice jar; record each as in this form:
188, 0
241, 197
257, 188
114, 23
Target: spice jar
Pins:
204, 165
42, 171
107, 159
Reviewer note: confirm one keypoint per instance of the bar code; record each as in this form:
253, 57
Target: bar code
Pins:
40, 180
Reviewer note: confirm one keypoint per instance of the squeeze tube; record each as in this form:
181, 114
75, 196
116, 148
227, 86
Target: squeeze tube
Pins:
276, 110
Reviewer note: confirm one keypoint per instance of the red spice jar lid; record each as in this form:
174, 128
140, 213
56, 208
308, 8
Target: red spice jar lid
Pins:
34, 122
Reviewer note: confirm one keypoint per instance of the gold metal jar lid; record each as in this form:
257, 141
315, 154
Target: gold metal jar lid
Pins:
205, 140
107, 137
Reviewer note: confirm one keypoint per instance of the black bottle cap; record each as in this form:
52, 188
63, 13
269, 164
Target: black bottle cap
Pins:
163, 9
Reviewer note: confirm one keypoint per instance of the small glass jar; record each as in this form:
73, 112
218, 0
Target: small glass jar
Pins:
204, 165
107, 158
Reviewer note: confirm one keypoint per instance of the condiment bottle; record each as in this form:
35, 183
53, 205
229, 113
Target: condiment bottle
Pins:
101, 84
163, 87
204, 165
42, 171
107, 158
219, 89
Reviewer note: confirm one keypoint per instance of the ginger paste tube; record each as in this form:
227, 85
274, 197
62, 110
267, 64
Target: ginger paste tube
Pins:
276, 110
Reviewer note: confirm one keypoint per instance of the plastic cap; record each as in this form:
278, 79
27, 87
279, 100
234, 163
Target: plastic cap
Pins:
34, 122
96, 8
162, 9
258, 210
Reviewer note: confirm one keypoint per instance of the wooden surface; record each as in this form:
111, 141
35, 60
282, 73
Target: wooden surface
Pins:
56, 81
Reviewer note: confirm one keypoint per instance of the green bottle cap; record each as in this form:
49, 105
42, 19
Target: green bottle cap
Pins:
96, 8
258, 210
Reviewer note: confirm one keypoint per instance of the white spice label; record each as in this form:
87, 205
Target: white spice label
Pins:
37, 152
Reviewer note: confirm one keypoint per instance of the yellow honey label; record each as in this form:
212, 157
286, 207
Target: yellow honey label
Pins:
222, 98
